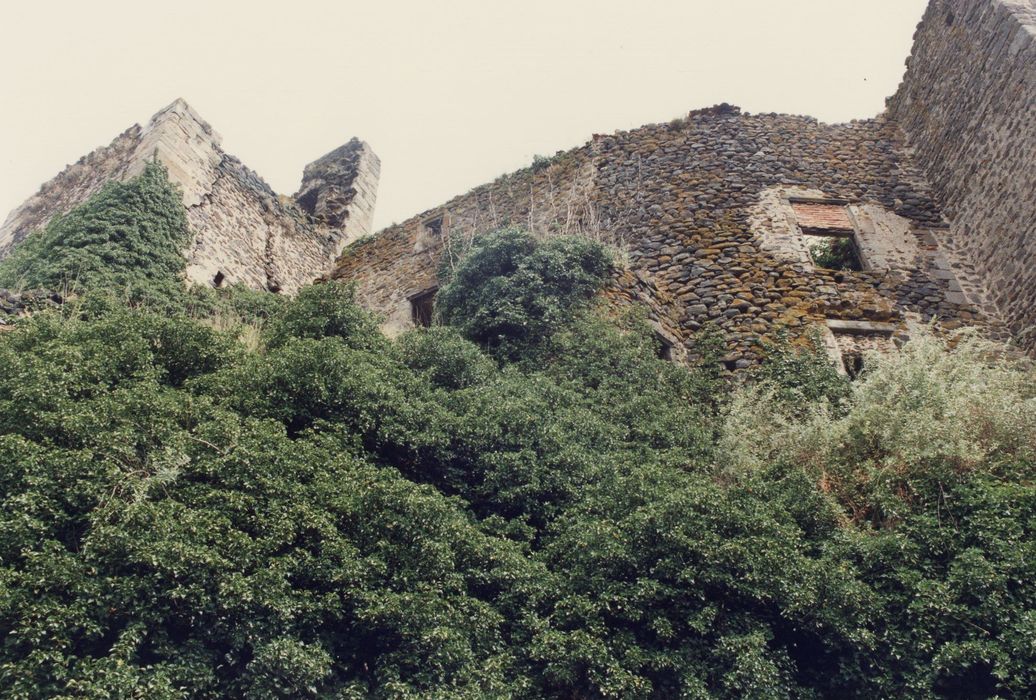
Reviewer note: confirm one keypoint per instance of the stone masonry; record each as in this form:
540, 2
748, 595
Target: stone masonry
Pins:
712, 217
700, 210
968, 109
717, 219
243, 231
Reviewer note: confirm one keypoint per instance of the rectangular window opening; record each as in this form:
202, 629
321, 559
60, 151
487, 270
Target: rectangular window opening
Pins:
218, 280
852, 340
853, 364
422, 308
829, 233
664, 349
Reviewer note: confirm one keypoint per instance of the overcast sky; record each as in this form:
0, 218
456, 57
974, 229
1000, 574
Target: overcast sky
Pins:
450, 93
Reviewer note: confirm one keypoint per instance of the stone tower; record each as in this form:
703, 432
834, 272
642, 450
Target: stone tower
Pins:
339, 191
243, 232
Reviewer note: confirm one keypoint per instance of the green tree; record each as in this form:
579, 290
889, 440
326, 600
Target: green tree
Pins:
510, 291
319, 511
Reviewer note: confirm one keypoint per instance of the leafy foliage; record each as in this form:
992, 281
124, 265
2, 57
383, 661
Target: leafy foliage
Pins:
130, 236
512, 291
802, 376
835, 253
323, 512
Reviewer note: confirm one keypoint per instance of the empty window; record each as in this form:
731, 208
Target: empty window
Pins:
422, 307
854, 339
728, 363
852, 362
664, 347
828, 232
434, 226
218, 280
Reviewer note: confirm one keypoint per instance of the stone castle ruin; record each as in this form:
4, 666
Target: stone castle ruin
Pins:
243, 231
721, 215
752, 223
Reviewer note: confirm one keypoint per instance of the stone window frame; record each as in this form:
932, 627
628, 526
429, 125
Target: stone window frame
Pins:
668, 347
664, 347
432, 232
435, 225
833, 328
422, 307
852, 233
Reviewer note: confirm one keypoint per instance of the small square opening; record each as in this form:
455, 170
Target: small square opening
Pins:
664, 347
434, 226
853, 363
422, 308
850, 341
218, 280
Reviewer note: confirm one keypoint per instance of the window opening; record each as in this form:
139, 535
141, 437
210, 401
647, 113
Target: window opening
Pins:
854, 339
829, 233
834, 252
664, 348
434, 226
422, 308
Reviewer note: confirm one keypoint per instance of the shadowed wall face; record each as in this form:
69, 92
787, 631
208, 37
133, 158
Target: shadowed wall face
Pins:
968, 108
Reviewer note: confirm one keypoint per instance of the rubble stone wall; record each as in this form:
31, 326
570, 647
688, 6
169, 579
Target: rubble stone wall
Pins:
73, 186
696, 210
403, 260
968, 108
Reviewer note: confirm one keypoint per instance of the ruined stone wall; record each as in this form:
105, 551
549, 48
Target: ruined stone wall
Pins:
700, 213
692, 199
243, 232
968, 108
402, 260
74, 185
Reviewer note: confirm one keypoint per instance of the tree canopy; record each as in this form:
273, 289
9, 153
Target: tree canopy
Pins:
489, 508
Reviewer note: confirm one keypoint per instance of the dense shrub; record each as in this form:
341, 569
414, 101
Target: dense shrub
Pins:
445, 358
322, 512
321, 312
931, 459
156, 542
512, 291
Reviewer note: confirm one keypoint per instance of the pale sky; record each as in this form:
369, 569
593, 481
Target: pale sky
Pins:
449, 93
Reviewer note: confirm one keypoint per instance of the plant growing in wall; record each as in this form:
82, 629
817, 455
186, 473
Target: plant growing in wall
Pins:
129, 236
835, 253
511, 291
